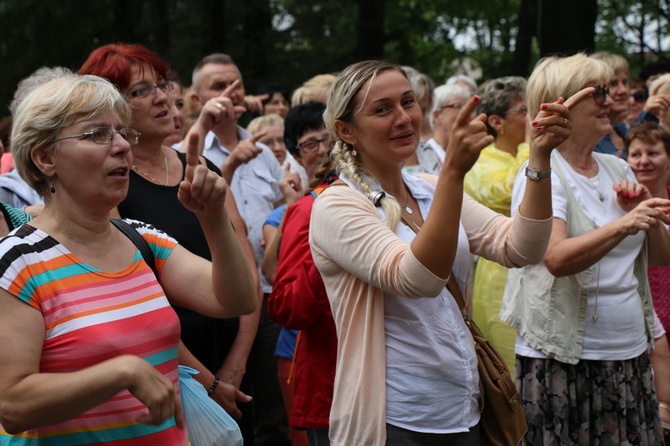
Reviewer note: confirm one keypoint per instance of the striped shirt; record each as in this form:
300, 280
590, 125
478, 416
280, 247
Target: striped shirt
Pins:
91, 316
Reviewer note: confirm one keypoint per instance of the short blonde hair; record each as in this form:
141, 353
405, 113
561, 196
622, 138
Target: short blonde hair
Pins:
662, 83
555, 77
312, 89
43, 112
260, 122
618, 63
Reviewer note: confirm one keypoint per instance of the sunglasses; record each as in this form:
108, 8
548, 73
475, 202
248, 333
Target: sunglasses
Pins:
600, 94
640, 96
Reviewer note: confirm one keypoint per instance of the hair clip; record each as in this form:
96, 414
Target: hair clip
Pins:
376, 197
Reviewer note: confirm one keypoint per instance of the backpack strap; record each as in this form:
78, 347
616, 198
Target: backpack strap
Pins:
138, 241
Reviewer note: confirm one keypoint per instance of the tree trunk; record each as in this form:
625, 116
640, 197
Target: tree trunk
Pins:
371, 37
527, 26
566, 27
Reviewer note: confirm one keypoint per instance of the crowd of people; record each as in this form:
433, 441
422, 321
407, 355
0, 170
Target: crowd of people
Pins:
306, 244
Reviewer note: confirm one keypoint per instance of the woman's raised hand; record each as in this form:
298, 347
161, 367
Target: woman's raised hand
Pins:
552, 124
202, 191
468, 138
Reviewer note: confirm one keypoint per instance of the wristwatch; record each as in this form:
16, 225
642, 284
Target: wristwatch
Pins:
535, 174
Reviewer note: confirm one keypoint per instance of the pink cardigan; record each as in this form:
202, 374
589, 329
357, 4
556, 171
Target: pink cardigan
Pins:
360, 258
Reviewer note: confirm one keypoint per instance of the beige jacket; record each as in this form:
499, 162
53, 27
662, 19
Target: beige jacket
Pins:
360, 258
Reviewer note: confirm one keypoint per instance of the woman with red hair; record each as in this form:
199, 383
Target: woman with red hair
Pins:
217, 348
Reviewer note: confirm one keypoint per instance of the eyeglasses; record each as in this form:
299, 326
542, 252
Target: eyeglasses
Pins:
600, 94
312, 144
454, 106
520, 110
640, 96
144, 92
105, 135
272, 142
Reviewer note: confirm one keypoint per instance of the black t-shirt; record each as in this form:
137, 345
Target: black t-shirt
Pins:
207, 338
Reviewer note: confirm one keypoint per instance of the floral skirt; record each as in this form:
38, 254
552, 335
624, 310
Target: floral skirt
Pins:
595, 403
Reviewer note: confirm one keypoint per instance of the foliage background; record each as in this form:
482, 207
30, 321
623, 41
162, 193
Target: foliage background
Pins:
288, 41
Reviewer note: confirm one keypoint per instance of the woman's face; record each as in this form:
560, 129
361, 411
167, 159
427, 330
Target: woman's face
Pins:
385, 128
619, 93
176, 96
649, 161
274, 139
312, 149
277, 104
445, 116
151, 114
590, 120
636, 101
92, 174
514, 122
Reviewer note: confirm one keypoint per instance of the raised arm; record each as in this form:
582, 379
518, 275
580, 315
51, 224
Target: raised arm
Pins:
225, 287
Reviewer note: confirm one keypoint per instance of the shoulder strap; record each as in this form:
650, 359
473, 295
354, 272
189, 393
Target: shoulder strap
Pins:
138, 241
452, 285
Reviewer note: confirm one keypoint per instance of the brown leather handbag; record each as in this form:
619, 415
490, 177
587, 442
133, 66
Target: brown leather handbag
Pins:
503, 420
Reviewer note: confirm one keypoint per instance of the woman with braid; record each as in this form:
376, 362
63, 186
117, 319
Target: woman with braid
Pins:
406, 369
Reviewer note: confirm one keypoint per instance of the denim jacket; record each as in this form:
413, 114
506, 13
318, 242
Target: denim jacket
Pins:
550, 312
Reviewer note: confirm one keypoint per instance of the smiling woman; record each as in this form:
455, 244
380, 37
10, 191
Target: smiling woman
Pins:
96, 361
406, 367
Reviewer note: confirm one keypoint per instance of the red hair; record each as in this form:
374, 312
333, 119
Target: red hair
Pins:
115, 61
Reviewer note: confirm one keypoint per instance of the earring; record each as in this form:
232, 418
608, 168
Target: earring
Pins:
52, 188
353, 151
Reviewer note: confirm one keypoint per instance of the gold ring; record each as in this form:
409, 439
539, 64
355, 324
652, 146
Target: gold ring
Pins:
565, 122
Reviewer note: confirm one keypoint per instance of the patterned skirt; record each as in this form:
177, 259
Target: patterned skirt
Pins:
595, 403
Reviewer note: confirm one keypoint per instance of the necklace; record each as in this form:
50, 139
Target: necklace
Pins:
406, 206
152, 179
596, 183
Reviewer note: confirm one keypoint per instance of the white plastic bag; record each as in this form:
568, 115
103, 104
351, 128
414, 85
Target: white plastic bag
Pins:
208, 424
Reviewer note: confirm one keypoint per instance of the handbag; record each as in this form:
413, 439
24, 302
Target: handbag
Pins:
503, 420
208, 423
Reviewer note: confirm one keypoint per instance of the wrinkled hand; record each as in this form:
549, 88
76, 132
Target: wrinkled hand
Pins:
468, 137
290, 186
645, 216
202, 191
220, 109
552, 125
157, 393
255, 103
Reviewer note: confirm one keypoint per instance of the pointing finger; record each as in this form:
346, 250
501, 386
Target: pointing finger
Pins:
465, 115
579, 97
231, 88
254, 139
192, 157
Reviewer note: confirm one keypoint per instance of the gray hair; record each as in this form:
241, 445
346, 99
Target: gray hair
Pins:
45, 110
460, 79
499, 95
342, 106
40, 76
444, 94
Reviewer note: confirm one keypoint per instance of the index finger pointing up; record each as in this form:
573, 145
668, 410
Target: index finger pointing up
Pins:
465, 115
192, 157
230, 88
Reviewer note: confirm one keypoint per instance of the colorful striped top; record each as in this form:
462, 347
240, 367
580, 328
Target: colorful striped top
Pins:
91, 316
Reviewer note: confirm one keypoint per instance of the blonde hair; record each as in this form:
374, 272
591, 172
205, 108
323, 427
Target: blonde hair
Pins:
43, 112
555, 77
257, 124
312, 89
618, 63
342, 106
662, 83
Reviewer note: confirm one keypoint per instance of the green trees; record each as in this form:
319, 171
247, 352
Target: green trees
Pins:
288, 41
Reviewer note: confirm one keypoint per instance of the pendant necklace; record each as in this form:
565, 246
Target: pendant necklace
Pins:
596, 183
152, 179
406, 206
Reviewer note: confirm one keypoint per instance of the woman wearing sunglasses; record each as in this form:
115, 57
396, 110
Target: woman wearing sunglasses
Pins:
584, 315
